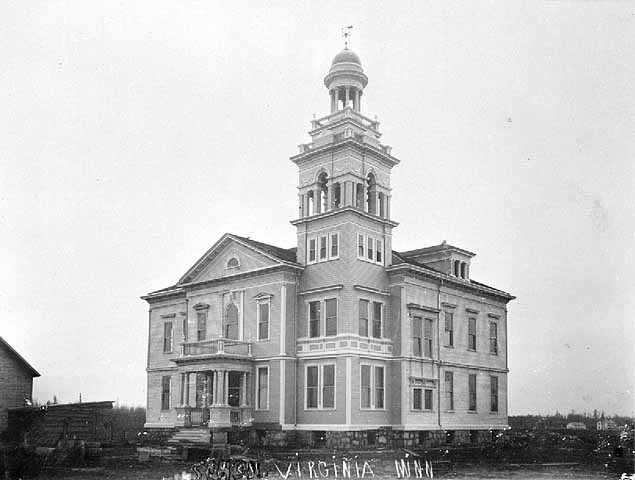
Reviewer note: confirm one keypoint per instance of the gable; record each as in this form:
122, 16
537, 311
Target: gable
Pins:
10, 360
229, 256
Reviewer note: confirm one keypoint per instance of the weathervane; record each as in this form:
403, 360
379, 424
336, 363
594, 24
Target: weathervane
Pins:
346, 32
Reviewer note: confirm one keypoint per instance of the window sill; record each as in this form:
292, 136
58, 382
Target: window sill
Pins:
319, 409
367, 409
263, 340
471, 349
423, 410
449, 411
449, 346
493, 354
472, 412
494, 413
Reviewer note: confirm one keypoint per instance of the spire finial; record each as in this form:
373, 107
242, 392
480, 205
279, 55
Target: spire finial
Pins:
346, 32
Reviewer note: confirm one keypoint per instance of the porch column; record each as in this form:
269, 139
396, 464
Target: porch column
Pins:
243, 390
226, 388
182, 387
187, 389
215, 386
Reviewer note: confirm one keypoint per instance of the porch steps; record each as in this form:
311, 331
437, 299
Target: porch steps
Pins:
191, 435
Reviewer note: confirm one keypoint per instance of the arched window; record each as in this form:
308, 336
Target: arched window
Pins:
456, 268
310, 203
233, 263
371, 196
359, 195
230, 326
337, 195
324, 192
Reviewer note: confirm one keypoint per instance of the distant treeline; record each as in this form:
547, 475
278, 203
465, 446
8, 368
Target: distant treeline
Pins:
559, 421
127, 422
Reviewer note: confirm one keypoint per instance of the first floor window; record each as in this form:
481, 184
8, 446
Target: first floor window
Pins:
314, 319
312, 253
471, 334
165, 392
377, 319
167, 337
328, 386
263, 388
417, 403
417, 333
449, 329
323, 248
312, 387
372, 386
331, 317
320, 386
493, 338
201, 325
263, 320
427, 338
472, 392
449, 390
493, 394
427, 399
363, 318
335, 240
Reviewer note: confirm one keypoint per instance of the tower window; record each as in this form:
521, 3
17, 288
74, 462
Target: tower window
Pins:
371, 194
463, 269
360, 246
363, 318
323, 248
337, 195
331, 317
335, 238
310, 199
359, 195
457, 268
314, 319
323, 189
312, 252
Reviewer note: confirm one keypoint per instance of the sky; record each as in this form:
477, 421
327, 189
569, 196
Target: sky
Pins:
134, 134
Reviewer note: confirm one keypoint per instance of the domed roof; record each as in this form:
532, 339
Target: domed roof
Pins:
347, 56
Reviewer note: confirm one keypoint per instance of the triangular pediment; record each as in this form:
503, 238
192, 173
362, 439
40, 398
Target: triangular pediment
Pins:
231, 255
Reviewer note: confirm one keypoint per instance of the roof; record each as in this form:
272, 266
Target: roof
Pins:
402, 258
435, 248
346, 56
21, 359
284, 254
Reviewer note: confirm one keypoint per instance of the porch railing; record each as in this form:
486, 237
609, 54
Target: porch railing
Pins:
217, 346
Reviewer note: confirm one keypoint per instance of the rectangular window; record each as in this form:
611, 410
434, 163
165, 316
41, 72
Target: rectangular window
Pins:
449, 329
493, 338
201, 325
493, 394
323, 248
365, 386
312, 253
471, 334
335, 245
331, 317
263, 388
379, 387
263, 320
184, 326
165, 392
417, 403
427, 399
328, 386
379, 252
449, 390
314, 319
360, 246
167, 337
472, 392
312, 387
377, 319
417, 336
363, 318
370, 251
427, 338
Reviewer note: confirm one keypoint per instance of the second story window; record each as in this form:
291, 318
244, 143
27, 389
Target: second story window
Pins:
230, 326
263, 308
363, 318
377, 310
471, 333
449, 329
417, 336
201, 325
472, 393
372, 387
427, 338
314, 319
493, 338
167, 337
331, 317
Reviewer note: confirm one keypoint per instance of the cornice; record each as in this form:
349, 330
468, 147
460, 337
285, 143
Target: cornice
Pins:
348, 208
386, 158
371, 290
322, 289
424, 308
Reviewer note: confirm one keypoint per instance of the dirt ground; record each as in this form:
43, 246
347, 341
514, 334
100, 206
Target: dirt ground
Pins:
464, 472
